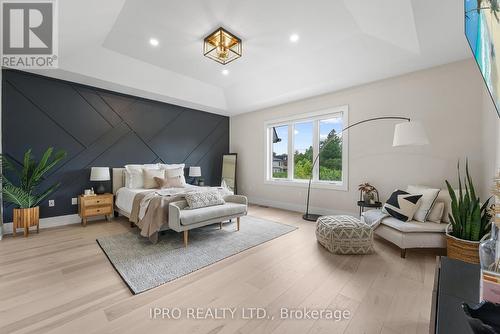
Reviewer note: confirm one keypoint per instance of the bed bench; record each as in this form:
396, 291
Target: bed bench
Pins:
183, 219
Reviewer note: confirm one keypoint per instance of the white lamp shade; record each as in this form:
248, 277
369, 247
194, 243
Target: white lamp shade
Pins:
194, 171
409, 134
99, 174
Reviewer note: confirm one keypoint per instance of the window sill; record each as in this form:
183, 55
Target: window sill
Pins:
303, 184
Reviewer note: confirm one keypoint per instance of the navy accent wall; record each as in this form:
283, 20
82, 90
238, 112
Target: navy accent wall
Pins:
102, 128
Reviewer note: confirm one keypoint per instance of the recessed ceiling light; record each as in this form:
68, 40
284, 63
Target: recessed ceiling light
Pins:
154, 42
294, 38
225, 72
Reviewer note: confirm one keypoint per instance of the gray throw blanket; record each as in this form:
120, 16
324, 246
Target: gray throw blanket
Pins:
374, 217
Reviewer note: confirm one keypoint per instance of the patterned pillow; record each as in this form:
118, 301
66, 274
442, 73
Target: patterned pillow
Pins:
402, 205
201, 199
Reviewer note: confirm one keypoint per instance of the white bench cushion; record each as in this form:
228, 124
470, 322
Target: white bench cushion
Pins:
413, 226
193, 216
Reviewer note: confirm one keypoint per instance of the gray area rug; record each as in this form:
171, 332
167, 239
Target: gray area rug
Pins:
143, 265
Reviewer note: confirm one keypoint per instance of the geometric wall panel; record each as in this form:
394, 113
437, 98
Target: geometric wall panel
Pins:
97, 127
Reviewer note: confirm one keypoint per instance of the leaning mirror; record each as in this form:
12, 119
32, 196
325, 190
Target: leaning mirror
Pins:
229, 171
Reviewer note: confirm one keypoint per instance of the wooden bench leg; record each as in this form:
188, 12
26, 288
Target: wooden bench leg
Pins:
238, 224
403, 253
186, 236
220, 226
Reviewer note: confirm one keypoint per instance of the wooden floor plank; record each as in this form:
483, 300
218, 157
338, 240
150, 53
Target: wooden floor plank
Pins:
59, 281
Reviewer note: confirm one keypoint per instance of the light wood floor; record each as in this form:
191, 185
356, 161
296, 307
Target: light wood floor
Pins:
61, 282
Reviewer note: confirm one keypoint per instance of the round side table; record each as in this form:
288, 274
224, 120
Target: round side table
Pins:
362, 205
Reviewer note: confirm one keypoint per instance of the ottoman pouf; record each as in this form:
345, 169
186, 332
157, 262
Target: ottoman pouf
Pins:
344, 235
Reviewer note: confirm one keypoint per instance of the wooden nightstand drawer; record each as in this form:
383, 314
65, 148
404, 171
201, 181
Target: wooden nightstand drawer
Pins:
98, 205
97, 211
98, 200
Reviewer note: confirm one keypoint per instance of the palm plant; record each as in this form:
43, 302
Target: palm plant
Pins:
469, 219
24, 193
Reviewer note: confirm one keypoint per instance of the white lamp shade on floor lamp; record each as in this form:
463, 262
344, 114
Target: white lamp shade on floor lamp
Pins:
409, 134
194, 171
99, 174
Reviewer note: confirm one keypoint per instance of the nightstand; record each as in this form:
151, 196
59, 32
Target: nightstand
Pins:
96, 205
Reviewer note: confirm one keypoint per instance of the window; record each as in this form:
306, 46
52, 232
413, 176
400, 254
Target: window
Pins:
280, 152
302, 150
294, 143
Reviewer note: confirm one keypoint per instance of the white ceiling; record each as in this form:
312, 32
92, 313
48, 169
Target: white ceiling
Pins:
342, 43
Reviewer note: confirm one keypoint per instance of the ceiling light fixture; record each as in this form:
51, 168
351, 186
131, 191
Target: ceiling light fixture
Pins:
294, 38
225, 72
154, 42
222, 46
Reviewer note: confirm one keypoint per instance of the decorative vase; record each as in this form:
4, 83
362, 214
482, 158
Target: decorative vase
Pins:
489, 253
25, 218
463, 250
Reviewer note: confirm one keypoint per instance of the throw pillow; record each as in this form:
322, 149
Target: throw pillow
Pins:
444, 196
169, 183
436, 214
429, 196
202, 199
402, 205
172, 166
133, 178
176, 177
175, 170
149, 175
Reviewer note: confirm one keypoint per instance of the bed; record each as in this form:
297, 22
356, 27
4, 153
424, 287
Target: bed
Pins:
124, 197
146, 208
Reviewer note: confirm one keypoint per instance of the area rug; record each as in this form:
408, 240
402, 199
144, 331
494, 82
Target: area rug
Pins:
143, 265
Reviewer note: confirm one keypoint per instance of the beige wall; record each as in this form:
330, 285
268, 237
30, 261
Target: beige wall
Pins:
447, 99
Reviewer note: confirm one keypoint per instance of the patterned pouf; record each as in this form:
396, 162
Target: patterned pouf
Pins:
344, 235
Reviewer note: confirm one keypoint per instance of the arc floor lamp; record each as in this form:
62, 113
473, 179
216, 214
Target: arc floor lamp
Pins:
405, 134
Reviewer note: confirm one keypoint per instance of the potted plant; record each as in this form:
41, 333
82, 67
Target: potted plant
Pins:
24, 192
469, 220
367, 193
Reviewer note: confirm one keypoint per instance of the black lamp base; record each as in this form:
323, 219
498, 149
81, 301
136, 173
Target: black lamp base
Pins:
311, 217
100, 189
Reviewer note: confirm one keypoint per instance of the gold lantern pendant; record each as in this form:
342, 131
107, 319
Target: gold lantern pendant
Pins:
222, 46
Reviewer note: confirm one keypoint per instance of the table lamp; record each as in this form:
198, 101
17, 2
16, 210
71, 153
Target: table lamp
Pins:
100, 174
195, 173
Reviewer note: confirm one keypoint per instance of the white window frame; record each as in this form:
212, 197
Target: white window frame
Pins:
315, 117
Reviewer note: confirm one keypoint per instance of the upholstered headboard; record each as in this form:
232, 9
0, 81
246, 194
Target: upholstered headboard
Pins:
118, 179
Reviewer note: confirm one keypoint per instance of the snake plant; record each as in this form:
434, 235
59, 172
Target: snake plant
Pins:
24, 193
469, 219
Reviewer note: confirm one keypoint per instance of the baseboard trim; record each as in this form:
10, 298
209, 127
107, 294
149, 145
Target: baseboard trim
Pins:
52, 222
297, 207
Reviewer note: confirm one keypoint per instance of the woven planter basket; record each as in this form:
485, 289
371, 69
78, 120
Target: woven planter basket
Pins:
463, 250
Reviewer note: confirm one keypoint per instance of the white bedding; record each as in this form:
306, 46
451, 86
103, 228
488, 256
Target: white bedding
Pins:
124, 197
